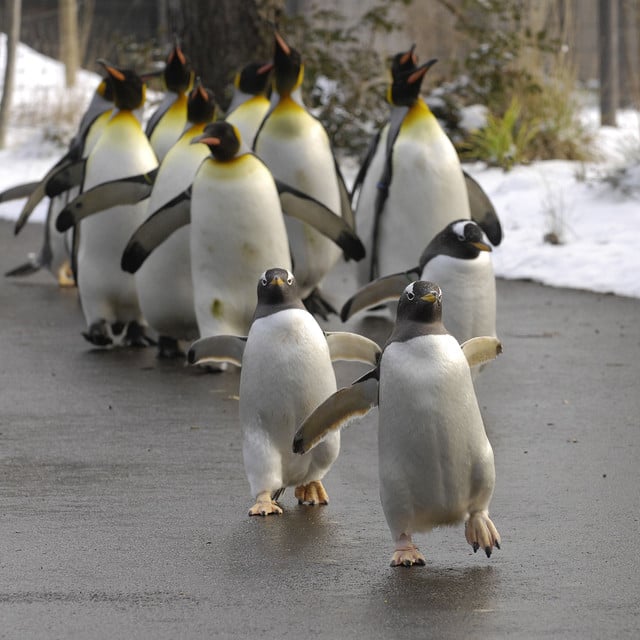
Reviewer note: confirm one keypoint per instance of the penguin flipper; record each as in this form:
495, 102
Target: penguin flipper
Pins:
103, 196
155, 230
299, 205
217, 349
481, 349
19, 191
482, 211
336, 411
345, 345
32, 265
377, 292
346, 210
364, 167
70, 174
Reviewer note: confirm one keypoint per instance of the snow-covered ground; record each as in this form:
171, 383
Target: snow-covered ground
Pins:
594, 218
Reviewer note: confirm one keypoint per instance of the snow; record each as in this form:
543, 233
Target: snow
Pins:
592, 208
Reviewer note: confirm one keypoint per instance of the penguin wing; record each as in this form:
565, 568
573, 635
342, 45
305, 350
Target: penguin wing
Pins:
67, 176
19, 191
482, 211
344, 345
299, 205
221, 348
155, 230
104, 196
346, 209
481, 349
32, 265
378, 291
336, 411
364, 167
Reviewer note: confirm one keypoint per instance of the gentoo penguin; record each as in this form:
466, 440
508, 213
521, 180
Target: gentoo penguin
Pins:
107, 294
435, 461
168, 121
412, 178
457, 259
54, 254
165, 290
249, 104
286, 373
296, 148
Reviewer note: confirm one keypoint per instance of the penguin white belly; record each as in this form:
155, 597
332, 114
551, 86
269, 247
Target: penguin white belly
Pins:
286, 373
296, 149
170, 127
248, 116
106, 291
469, 294
435, 461
164, 282
237, 233
426, 193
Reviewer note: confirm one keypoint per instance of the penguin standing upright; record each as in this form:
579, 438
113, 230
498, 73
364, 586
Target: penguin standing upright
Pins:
412, 179
107, 294
163, 282
458, 259
296, 148
435, 461
249, 104
168, 121
286, 372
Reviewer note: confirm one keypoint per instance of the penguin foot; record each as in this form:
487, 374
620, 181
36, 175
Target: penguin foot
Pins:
265, 506
480, 532
312, 493
65, 275
136, 336
406, 553
168, 348
317, 305
98, 334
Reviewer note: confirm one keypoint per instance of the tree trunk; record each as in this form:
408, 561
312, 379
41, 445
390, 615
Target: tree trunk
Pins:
221, 37
69, 49
13, 37
608, 45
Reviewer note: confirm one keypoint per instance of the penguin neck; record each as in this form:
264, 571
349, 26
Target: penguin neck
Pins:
409, 329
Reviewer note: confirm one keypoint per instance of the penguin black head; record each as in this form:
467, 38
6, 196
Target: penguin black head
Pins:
254, 78
403, 62
129, 90
405, 87
178, 74
461, 239
277, 291
222, 138
201, 105
288, 66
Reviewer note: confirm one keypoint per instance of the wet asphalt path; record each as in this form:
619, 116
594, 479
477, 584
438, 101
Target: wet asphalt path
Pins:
123, 498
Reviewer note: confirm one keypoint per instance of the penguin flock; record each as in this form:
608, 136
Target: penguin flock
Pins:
209, 236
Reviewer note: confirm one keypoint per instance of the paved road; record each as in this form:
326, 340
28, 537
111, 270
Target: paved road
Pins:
123, 499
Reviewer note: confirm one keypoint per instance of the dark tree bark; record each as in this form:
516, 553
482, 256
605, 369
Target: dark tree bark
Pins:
608, 46
220, 37
13, 37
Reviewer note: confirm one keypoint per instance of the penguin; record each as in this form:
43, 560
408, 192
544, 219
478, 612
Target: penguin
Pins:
413, 171
107, 294
163, 283
296, 148
249, 104
237, 229
286, 372
435, 462
458, 259
168, 121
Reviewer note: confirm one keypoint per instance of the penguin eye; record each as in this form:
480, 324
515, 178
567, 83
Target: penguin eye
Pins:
410, 295
290, 280
263, 282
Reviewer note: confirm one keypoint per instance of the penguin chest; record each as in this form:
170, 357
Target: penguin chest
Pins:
248, 116
431, 435
170, 127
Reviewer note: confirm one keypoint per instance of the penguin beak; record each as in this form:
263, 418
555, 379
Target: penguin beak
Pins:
419, 73
409, 55
481, 246
429, 297
205, 139
277, 281
116, 74
284, 47
265, 68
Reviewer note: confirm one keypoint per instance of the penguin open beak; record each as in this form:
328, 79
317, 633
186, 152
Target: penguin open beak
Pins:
481, 246
418, 74
409, 55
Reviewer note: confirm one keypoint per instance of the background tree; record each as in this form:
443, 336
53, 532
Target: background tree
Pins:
13, 36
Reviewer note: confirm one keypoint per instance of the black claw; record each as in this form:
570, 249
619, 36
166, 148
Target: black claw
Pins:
487, 550
475, 546
497, 544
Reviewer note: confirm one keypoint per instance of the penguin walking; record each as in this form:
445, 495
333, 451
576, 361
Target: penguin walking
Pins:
435, 462
296, 148
412, 179
163, 282
286, 372
249, 104
107, 294
458, 259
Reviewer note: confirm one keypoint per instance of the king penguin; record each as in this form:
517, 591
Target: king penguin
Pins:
435, 462
249, 104
413, 171
286, 372
163, 282
166, 124
107, 294
296, 148
458, 259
